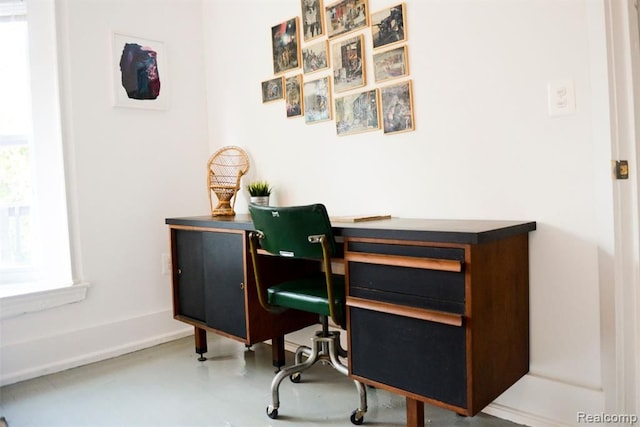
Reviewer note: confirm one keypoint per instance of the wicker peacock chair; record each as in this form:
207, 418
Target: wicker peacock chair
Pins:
224, 171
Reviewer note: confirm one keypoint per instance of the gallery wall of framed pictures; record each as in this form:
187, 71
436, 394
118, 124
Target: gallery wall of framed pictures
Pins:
320, 61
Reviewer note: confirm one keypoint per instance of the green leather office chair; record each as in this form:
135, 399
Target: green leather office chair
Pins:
303, 232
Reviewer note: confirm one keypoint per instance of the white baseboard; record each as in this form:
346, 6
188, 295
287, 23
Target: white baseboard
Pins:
520, 417
61, 351
538, 401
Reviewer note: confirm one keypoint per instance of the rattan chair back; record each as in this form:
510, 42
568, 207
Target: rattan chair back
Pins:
224, 172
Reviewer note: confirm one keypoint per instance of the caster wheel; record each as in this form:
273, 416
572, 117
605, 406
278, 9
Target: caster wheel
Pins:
272, 413
295, 378
357, 417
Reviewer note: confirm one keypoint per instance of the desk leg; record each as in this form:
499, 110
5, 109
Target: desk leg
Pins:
277, 351
415, 413
201, 343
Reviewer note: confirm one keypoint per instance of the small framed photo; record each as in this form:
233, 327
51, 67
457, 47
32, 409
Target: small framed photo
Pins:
397, 107
312, 19
139, 73
293, 96
388, 26
315, 57
285, 44
357, 113
346, 16
272, 90
347, 57
390, 64
317, 100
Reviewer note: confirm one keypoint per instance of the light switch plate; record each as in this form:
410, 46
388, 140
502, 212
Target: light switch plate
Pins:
562, 98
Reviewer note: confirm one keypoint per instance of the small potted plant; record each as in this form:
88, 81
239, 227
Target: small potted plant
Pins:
259, 192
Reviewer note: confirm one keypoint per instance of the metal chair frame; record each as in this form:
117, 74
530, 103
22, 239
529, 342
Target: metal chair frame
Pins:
325, 345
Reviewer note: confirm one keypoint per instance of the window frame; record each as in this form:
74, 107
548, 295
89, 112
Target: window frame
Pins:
54, 284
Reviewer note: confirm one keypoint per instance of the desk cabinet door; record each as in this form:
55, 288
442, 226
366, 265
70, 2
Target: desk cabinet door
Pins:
211, 279
190, 277
224, 282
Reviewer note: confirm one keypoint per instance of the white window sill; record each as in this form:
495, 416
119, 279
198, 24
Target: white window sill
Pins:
25, 298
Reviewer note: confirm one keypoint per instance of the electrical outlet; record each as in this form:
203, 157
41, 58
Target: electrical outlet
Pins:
561, 97
165, 260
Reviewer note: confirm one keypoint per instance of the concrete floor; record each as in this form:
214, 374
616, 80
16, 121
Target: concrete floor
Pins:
167, 386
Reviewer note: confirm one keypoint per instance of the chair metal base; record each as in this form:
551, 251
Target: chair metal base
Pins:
325, 348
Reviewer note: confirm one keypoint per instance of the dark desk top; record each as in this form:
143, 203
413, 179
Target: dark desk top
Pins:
429, 230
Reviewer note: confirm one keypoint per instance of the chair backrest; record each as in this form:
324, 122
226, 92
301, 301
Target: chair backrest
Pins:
286, 230
227, 165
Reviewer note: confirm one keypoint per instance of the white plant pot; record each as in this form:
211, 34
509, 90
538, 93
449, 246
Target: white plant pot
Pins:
260, 200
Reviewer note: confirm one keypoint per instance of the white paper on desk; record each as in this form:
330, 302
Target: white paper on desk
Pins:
359, 218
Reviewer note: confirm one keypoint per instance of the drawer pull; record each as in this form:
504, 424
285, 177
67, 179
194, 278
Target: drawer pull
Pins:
416, 313
405, 261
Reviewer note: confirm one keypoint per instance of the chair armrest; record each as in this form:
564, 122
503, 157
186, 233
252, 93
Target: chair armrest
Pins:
328, 272
254, 243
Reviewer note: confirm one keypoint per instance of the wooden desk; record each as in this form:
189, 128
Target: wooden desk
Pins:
437, 310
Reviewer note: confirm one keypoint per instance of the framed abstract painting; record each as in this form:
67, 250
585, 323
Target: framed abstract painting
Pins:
140, 73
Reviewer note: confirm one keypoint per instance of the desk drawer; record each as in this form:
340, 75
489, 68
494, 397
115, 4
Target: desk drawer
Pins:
418, 356
415, 276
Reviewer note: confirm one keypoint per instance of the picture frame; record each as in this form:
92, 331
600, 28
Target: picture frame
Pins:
272, 90
285, 46
317, 100
357, 112
388, 26
315, 57
397, 107
312, 19
135, 87
390, 64
347, 57
293, 96
346, 16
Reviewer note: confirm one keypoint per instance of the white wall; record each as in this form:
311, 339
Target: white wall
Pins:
128, 170
484, 147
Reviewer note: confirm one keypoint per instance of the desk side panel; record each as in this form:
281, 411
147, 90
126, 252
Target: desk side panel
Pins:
498, 317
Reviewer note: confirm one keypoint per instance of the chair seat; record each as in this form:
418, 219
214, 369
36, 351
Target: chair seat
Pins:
308, 294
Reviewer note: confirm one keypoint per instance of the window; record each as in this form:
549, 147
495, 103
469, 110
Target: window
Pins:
16, 258
34, 237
